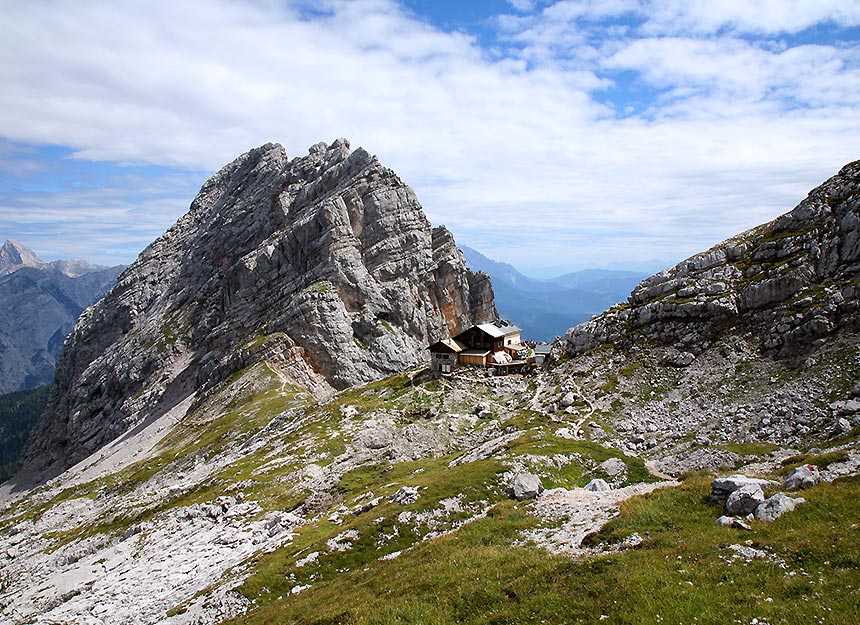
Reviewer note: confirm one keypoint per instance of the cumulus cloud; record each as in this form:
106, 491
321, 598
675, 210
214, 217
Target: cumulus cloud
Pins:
813, 75
534, 140
762, 16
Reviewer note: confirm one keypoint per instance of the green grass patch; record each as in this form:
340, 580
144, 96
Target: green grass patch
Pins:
378, 531
630, 368
819, 459
262, 339
749, 449
684, 571
582, 468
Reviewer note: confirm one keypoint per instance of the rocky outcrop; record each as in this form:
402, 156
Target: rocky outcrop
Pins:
324, 265
790, 282
39, 304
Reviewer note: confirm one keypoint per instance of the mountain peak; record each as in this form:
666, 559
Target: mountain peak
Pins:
324, 266
14, 255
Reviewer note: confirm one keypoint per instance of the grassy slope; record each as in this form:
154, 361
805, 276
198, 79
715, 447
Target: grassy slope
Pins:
682, 573
480, 573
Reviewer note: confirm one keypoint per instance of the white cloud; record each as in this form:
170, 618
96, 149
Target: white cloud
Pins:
761, 16
811, 74
523, 5
521, 152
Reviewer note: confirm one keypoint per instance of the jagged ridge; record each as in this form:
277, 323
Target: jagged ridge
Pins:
790, 283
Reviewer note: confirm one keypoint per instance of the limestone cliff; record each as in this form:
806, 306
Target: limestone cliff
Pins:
324, 265
787, 284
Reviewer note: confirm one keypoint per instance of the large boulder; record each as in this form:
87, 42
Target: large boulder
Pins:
775, 506
804, 476
482, 410
568, 400
722, 487
842, 427
526, 486
745, 499
597, 486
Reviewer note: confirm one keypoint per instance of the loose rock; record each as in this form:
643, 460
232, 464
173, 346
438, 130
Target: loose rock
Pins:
775, 506
804, 476
526, 486
745, 499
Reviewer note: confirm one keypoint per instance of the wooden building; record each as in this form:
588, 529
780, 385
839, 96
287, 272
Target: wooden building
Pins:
481, 345
478, 356
493, 336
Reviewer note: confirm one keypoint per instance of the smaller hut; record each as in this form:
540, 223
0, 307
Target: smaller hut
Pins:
444, 354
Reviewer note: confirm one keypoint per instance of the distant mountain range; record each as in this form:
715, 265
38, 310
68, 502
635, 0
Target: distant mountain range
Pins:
545, 309
39, 305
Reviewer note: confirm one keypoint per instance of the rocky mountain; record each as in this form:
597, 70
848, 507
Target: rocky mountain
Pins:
39, 304
14, 256
754, 341
547, 309
503, 273
602, 488
324, 264
788, 283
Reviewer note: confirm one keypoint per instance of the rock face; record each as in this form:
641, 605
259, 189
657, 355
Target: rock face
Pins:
791, 282
39, 304
324, 264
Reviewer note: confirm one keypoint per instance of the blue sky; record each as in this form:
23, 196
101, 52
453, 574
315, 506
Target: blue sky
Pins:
553, 135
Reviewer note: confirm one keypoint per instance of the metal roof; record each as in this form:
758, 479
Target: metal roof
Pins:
499, 328
451, 344
516, 346
474, 352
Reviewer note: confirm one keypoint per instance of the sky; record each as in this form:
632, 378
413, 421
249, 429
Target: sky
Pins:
553, 135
